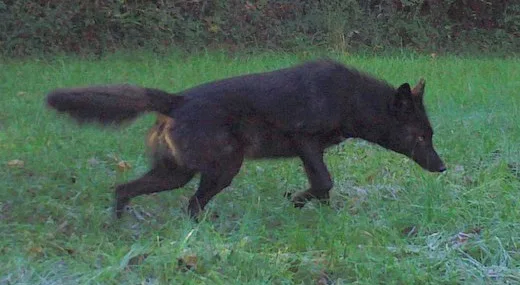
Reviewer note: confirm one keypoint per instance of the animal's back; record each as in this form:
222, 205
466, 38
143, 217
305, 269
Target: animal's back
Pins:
305, 98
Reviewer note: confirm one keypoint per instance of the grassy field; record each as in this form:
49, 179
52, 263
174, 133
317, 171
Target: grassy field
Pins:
390, 222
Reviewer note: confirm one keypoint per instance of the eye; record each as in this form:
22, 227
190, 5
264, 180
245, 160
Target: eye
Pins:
420, 138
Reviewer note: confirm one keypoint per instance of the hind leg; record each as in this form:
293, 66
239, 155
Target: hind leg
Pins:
212, 182
165, 175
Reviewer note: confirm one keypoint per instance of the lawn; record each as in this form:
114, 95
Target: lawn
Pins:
390, 222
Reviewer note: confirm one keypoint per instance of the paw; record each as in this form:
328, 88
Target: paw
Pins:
194, 210
120, 204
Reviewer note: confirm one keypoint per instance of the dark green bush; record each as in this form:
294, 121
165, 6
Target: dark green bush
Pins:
44, 26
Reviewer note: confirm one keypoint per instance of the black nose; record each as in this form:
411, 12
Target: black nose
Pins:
442, 168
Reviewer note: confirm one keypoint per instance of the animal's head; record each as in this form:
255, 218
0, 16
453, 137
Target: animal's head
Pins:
410, 132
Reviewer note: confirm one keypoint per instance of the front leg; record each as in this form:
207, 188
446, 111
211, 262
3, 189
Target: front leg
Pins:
317, 173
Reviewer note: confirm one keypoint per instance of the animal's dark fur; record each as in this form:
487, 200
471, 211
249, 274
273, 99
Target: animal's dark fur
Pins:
111, 104
292, 112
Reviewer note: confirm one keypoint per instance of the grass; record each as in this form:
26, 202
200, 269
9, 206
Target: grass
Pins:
390, 222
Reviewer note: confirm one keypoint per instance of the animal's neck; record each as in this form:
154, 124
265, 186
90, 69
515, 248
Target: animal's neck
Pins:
370, 118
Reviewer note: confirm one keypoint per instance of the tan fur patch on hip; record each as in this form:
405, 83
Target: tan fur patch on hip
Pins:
159, 138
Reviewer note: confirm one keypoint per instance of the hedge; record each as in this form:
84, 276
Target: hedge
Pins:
29, 27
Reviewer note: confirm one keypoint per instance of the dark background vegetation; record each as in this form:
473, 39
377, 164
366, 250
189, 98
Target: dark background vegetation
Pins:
33, 27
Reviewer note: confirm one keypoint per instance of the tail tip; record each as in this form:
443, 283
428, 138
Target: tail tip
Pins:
52, 100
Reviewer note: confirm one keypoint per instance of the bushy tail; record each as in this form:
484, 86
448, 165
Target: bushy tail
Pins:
112, 104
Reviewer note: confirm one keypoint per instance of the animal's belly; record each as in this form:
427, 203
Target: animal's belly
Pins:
263, 143
269, 144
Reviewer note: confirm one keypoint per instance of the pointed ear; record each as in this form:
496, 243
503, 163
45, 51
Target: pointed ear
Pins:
418, 90
404, 89
403, 98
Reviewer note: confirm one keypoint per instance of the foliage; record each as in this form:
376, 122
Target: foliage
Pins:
43, 26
